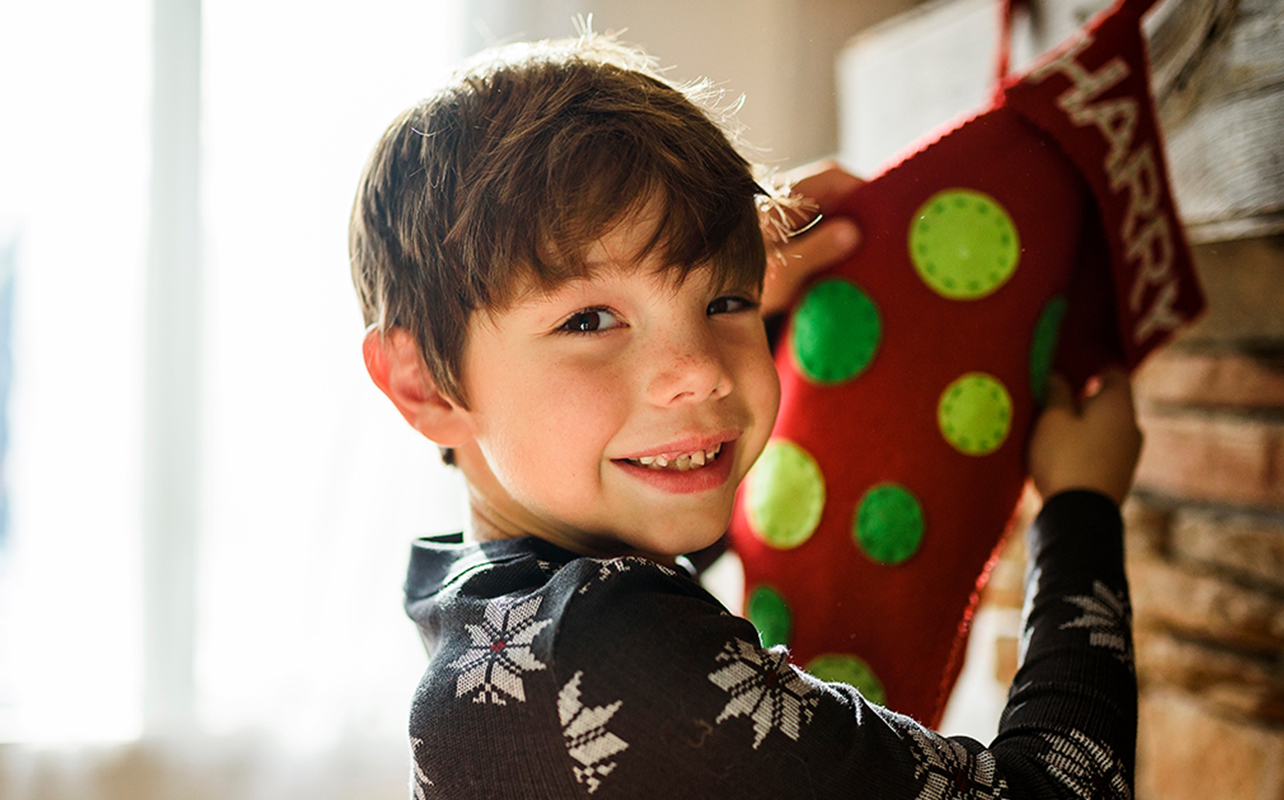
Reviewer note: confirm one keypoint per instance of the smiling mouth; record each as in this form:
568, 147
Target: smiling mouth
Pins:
683, 462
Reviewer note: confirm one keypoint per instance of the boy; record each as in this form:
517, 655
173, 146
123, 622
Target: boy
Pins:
560, 259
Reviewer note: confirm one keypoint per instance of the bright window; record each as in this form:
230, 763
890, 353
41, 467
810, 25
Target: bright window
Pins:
310, 485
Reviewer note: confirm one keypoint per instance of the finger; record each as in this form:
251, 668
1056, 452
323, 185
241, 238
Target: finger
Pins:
792, 264
814, 189
825, 183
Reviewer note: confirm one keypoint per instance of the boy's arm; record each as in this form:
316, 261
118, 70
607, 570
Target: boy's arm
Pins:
1070, 725
1076, 690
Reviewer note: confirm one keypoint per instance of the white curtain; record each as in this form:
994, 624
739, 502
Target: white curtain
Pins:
310, 486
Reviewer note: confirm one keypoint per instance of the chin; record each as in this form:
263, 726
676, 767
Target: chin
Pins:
670, 544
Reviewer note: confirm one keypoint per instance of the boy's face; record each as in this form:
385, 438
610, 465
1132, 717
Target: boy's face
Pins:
576, 397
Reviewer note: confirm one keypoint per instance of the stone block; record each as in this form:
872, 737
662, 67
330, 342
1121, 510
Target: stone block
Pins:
1146, 525
1199, 604
1213, 457
1247, 546
1237, 683
1213, 379
1186, 751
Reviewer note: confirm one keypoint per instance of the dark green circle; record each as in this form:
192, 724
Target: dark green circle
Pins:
836, 331
889, 524
963, 244
844, 668
785, 496
770, 614
1044, 346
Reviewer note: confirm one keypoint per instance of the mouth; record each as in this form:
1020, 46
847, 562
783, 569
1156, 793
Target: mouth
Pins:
685, 467
678, 462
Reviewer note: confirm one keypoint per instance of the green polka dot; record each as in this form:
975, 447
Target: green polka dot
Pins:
1044, 346
786, 495
836, 331
850, 670
889, 524
963, 244
770, 614
975, 414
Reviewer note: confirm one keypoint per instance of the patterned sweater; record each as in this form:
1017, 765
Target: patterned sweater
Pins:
553, 675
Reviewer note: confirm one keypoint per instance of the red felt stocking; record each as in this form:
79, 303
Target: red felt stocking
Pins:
1040, 234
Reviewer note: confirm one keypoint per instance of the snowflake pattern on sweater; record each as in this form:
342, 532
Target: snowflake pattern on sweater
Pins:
500, 652
1087, 768
950, 772
1105, 616
588, 741
419, 782
765, 688
608, 568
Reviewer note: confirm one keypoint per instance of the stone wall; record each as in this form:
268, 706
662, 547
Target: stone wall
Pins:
1206, 522
1206, 540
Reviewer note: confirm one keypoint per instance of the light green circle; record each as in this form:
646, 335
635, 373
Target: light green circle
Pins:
975, 414
889, 523
770, 614
836, 331
1043, 347
851, 670
963, 244
786, 495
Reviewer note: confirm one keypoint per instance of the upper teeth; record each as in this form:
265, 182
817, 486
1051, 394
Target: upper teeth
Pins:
681, 463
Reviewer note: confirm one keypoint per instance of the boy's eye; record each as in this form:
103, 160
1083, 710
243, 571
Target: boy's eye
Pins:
730, 305
590, 320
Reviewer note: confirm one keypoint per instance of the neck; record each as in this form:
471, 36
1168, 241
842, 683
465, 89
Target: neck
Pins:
488, 523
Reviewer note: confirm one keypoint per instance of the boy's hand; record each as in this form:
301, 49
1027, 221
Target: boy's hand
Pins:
1091, 444
791, 261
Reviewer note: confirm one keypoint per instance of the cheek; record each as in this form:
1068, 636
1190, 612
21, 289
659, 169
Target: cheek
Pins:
761, 383
771, 390
553, 426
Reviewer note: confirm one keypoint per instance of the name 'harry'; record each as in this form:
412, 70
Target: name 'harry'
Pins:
1146, 232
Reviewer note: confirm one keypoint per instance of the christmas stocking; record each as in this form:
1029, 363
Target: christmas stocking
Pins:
1038, 235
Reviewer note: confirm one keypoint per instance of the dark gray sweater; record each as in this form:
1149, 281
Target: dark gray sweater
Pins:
554, 675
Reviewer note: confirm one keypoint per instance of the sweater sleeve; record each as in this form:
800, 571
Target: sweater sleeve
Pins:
638, 684
1070, 725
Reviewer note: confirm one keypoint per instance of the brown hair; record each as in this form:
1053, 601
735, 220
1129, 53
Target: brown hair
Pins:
499, 181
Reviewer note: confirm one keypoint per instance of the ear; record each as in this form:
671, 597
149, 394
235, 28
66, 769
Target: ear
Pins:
393, 361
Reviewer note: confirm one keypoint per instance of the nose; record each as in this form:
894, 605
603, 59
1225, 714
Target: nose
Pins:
689, 368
